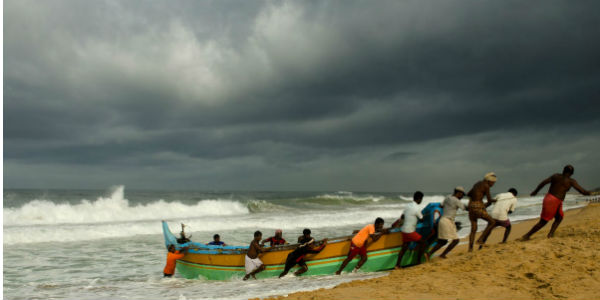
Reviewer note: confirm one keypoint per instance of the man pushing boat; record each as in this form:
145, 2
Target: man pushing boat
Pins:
253, 264
505, 204
447, 230
296, 257
359, 243
411, 215
172, 256
477, 209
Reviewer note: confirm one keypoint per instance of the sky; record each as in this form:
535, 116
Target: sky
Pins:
299, 95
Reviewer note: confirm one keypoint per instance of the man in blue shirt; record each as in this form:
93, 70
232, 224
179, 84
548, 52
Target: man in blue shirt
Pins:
217, 241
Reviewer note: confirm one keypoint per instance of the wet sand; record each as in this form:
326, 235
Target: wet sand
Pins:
564, 267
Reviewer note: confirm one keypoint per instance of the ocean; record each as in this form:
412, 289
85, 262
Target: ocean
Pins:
94, 244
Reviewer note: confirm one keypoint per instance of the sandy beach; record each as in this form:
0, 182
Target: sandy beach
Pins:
564, 267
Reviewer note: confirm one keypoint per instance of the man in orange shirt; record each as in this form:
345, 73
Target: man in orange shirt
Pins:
358, 246
172, 257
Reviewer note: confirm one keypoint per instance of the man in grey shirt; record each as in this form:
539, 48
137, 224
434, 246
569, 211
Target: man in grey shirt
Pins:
446, 226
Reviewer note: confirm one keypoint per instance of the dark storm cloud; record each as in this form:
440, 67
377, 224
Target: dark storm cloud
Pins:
283, 84
400, 155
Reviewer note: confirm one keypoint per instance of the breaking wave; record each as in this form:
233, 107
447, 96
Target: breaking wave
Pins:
115, 209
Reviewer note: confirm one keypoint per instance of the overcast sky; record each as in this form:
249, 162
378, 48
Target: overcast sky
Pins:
300, 95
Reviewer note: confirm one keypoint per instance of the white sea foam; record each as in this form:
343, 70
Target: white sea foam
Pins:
115, 209
322, 221
114, 217
342, 195
426, 199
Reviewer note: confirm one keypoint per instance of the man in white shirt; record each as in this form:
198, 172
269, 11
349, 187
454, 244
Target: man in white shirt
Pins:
504, 205
446, 226
409, 219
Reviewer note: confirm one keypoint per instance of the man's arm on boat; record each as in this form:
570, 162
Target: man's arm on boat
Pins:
317, 250
398, 222
375, 236
262, 243
181, 253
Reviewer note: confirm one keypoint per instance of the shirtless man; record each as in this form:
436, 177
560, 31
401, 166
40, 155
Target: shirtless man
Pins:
560, 184
253, 263
477, 208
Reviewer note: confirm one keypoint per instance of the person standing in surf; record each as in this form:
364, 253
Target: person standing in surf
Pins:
477, 209
172, 257
253, 264
359, 243
446, 226
560, 184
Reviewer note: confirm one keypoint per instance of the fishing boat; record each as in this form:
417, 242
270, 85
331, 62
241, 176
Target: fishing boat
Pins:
226, 262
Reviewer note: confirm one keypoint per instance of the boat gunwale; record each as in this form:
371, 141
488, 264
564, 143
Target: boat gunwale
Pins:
199, 248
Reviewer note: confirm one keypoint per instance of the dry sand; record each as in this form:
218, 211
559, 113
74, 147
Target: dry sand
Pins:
564, 267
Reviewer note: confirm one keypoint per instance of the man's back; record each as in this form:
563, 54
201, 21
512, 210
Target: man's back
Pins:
505, 202
451, 205
560, 185
361, 237
172, 257
412, 214
476, 194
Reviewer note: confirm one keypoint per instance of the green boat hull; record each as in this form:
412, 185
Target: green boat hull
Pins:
377, 261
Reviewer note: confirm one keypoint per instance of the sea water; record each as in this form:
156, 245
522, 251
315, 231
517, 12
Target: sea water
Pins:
80, 244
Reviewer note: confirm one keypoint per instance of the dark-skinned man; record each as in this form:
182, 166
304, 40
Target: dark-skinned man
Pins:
560, 184
477, 209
